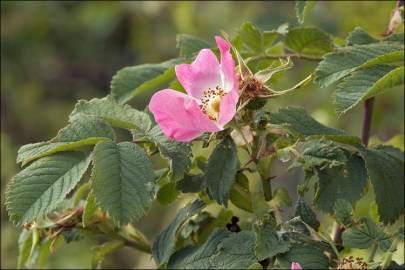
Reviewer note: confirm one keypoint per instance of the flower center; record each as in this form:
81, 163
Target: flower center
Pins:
211, 102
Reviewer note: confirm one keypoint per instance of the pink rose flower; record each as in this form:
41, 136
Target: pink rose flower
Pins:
210, 102
295, 266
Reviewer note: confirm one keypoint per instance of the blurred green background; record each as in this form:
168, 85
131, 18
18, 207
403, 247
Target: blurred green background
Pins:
54, 53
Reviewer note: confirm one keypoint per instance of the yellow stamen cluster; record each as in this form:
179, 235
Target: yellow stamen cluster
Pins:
211, 102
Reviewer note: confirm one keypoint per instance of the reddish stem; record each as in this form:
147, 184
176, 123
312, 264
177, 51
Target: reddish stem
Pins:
368, 112
365, 136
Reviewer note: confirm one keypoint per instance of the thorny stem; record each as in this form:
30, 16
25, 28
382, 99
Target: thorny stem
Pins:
368, 111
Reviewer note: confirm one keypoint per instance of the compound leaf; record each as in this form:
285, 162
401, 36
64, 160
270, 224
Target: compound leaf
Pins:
308, 41
81, 132
268, 242
222, 250
40, 187
129, 82
122, 180
117, 115
308, 256
190, 45
366, 83
177, 153
296, 120
364, 235
221, 170
342, 182
345, 60
306, 213
164, 244
386, 173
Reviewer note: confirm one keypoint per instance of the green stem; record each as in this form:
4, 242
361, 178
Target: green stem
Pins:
287, 55
373, 252
81, 191
264, 175
282, 92
139, 245
268, 195
388, 255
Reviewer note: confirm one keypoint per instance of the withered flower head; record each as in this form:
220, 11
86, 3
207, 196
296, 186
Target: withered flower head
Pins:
251, 88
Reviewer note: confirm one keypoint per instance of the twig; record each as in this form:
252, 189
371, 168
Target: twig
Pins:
287, 55
368, 112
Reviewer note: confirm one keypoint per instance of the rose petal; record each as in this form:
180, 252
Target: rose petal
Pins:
230, 82
227, 66
228, 107
202, 74
179, 115
295, 266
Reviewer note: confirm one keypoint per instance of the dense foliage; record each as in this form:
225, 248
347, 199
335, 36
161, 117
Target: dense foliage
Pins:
84, 182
